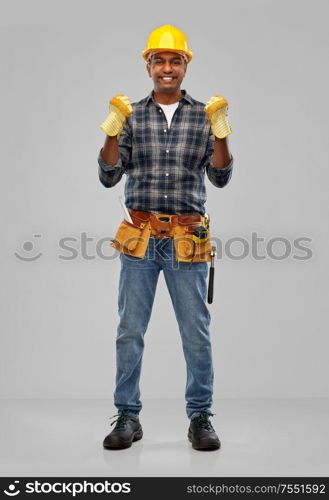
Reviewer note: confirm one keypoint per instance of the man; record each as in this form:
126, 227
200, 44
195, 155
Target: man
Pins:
165, 144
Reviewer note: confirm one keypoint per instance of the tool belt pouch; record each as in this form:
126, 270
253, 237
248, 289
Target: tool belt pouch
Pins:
132, 239
185, 246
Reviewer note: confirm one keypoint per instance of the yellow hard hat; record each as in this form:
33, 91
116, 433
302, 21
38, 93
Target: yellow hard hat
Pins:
167, 38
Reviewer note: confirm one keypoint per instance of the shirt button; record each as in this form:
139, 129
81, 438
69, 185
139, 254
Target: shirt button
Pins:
167, 173
165, 130
160, 110
165, 196
167, 150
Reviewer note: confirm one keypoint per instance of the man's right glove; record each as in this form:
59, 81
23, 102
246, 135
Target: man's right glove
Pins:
120, 108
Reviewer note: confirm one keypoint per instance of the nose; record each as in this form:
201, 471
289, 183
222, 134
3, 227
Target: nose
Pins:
167, 67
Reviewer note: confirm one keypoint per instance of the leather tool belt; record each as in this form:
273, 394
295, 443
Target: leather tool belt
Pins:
133, 238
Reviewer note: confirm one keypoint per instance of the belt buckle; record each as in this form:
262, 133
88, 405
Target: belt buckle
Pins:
161, 235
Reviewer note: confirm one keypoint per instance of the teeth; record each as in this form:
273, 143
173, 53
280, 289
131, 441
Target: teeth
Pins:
167, 78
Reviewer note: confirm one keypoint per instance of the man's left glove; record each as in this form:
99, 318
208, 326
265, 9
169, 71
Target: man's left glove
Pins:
216, 110
120, 108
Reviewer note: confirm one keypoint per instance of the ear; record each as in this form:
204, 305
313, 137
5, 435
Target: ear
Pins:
148, 69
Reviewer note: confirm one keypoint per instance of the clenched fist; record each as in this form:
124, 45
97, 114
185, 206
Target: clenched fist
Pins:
216, 110
120, 108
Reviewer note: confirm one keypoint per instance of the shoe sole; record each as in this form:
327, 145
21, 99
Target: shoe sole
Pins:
124, 444
198, 446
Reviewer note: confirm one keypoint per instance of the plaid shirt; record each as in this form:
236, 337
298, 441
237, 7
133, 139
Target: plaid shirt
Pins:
165, 168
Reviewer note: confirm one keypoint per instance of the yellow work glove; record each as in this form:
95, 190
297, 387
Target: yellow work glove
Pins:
120, 108
216, 110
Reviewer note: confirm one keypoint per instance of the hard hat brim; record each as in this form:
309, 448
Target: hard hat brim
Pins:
146, 53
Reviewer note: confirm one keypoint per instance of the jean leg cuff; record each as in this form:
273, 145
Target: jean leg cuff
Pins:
198, 413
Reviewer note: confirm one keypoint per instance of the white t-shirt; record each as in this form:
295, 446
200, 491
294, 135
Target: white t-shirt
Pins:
169, 110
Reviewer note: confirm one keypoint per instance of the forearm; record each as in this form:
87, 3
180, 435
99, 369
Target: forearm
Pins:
109, 175
221, 156
110, 152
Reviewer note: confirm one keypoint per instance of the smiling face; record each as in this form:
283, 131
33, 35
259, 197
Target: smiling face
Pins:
167, 69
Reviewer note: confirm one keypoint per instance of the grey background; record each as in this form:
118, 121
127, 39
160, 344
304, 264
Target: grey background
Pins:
61, 63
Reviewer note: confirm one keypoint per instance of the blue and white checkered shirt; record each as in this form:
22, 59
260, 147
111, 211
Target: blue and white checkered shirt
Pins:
165, 168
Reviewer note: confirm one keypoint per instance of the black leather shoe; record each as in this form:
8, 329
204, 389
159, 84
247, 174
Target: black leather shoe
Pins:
126, 431
202, 434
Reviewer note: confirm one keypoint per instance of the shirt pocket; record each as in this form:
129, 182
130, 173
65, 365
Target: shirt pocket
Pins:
196, 147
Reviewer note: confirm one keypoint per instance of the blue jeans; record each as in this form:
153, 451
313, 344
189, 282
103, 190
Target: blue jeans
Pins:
187, 285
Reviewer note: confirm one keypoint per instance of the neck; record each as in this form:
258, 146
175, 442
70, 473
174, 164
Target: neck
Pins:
167, 98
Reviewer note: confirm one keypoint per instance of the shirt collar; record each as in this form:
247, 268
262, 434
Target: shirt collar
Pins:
186, 97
